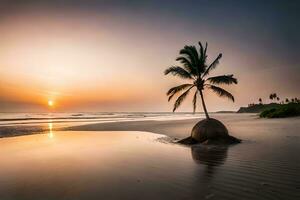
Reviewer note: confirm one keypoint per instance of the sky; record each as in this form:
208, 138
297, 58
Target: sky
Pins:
110, 55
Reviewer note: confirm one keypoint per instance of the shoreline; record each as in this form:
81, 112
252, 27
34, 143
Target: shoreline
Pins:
157, 127
177, 129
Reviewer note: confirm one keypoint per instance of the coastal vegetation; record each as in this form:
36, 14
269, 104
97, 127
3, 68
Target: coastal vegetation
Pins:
257, 108
285, 110
277, 109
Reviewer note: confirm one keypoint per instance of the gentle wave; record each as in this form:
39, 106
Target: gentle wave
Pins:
34, 118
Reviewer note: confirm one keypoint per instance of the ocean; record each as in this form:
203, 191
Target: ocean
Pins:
76, 118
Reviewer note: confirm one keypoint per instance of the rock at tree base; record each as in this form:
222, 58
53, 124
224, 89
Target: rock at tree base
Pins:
188, 140
210, 131
220, 141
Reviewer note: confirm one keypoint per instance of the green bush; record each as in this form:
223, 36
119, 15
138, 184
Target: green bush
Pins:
267, 112
287, 110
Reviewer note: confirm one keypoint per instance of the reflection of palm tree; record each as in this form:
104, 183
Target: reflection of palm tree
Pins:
210, 156
208, 160
196, 69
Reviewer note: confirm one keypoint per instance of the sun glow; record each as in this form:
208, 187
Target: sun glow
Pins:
50, 103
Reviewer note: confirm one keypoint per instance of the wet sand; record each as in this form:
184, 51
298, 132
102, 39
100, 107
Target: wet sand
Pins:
95, 164
171, 128
244, 126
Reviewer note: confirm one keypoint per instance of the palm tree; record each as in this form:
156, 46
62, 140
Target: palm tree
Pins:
287, 100
260, 101
273, 96
195, 69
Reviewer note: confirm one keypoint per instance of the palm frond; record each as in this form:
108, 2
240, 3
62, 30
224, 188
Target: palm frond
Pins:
187, 64
191, 53
221, 92
202, 58
171, 92
201, 50
178, 71
224, 79
205, 49
195, 101
213, 65
195, 52
181, 98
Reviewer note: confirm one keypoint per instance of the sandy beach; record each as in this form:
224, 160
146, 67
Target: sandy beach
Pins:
136, 160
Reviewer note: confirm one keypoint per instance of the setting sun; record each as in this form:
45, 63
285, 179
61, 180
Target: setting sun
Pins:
50, 103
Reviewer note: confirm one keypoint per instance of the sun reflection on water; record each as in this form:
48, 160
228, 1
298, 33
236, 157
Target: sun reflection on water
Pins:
50, 126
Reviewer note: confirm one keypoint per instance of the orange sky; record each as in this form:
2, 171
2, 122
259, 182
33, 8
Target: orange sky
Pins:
113, 62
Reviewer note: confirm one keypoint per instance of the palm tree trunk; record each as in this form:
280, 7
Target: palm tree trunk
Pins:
203, 105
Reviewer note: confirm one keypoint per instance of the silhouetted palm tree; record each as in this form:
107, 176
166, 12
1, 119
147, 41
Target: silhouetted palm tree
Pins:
195, 69
273, 96
287, 100
293, 100
260, 100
